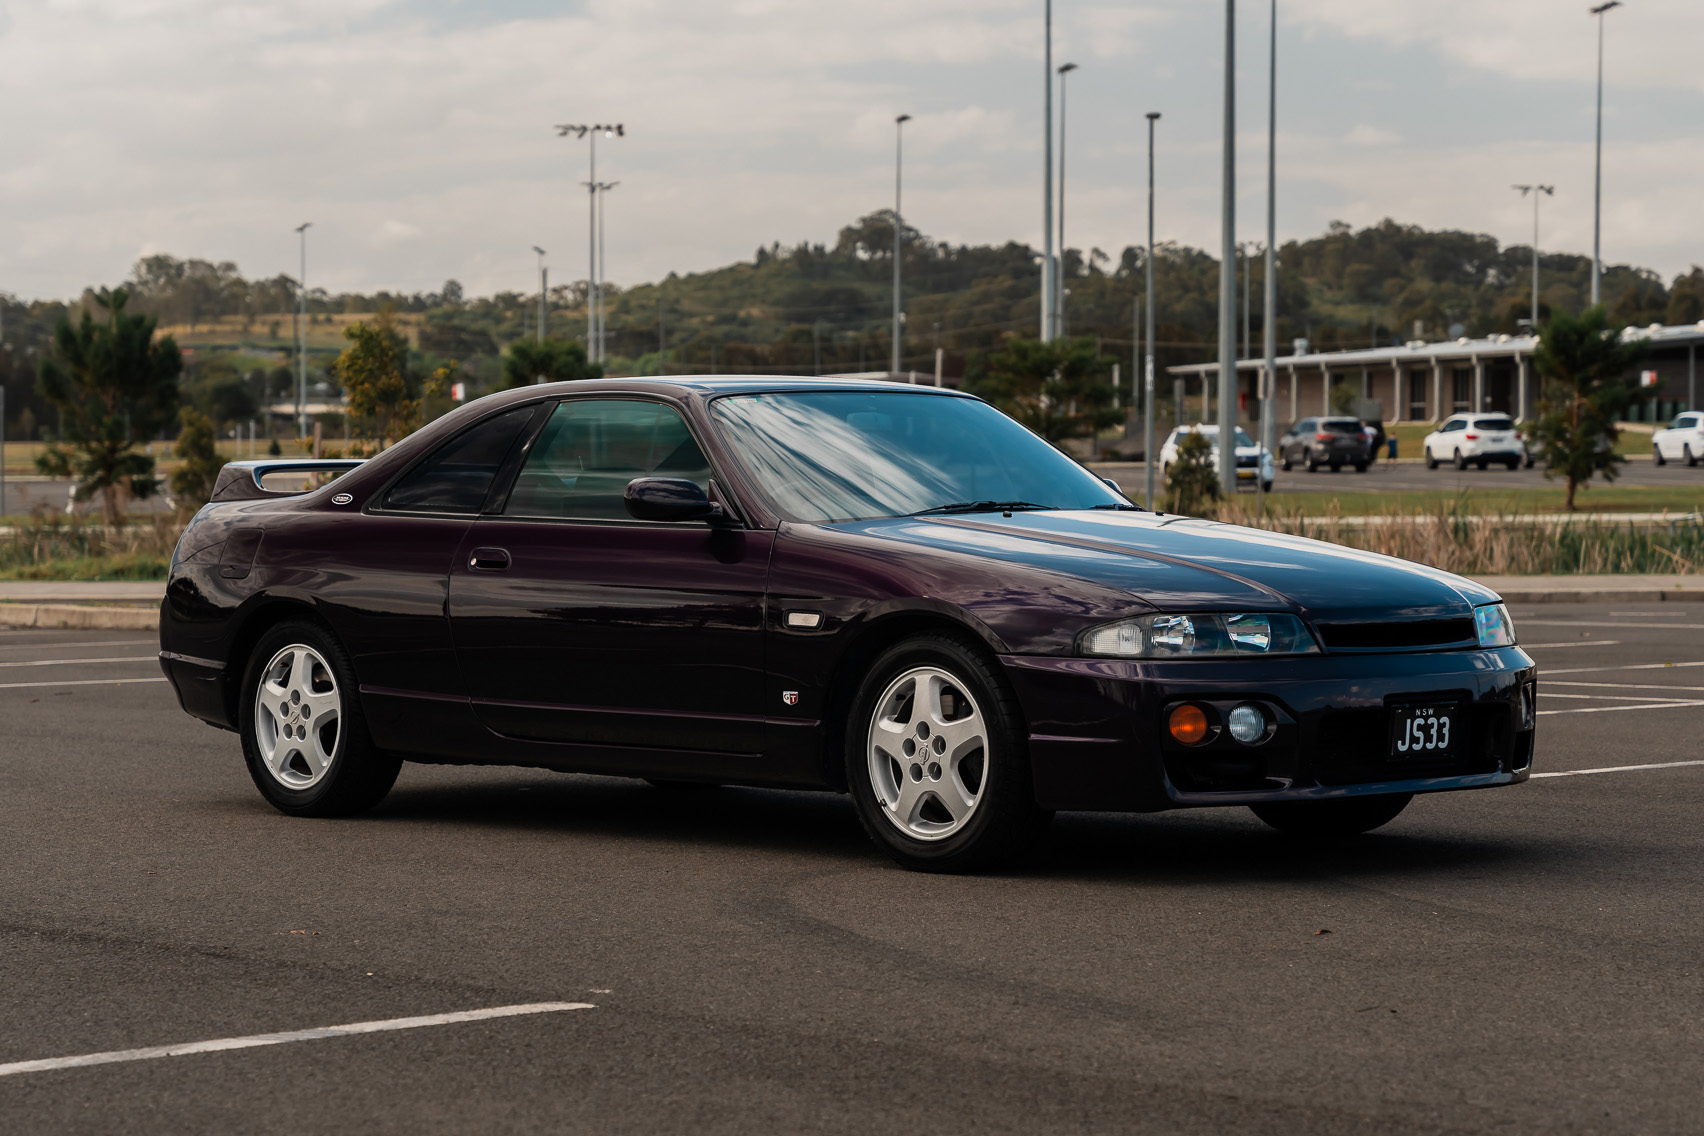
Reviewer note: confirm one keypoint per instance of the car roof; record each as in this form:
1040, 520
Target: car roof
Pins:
742, 384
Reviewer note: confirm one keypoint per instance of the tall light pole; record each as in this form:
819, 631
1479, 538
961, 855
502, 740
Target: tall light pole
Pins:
580, 130
1597, 168
1227, 268
1537, 191
1269, 315
1059, 277
1047, 265
1148, 362
302, 336
543, 290
603, 188
898, 229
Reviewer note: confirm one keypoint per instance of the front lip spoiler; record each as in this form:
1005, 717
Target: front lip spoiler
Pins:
1335, 792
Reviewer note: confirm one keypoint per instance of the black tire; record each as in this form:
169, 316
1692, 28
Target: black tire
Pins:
1266, 487
1531, 461
1285, 464
358, 774
1460, 462
1004, 820
1657, 454
1431, 462
1686, 452
1313, 466
1513, 463
1360, 467
1343, 816
1336, 466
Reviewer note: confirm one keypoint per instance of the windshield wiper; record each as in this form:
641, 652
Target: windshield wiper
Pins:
980, 507
1120, 505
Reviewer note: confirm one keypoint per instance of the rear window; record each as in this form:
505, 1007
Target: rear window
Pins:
1495, 424
1341, 425
457, 475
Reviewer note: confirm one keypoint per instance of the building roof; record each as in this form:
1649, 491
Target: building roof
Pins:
1493, 346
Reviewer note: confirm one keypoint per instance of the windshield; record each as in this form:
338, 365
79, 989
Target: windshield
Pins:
852, 455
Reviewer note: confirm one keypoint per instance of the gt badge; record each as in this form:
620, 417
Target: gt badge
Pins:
790, 697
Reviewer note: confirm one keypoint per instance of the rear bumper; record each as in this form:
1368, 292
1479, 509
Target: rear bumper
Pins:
1097, 741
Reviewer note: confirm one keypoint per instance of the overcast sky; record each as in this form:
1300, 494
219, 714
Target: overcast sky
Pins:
416, 134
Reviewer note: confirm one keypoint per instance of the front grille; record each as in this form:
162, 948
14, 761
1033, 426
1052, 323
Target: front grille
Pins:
1396, 635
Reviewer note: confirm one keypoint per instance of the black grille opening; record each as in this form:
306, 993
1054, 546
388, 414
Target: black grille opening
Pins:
1352, 747
1397, 634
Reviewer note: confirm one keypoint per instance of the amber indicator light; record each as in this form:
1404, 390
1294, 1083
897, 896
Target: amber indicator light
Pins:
1188, 724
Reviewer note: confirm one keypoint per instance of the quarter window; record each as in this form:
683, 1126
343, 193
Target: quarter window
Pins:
591, 448
457, 475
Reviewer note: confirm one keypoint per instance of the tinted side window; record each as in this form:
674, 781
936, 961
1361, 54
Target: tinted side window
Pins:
458, 474
591, 448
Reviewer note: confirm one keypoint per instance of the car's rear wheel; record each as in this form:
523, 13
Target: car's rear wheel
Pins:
1460, 462
936, 760
1285, 465
1360, 467
1513, 463
304, 736
1343, 816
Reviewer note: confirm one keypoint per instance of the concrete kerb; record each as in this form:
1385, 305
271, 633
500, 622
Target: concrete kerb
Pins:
77, 616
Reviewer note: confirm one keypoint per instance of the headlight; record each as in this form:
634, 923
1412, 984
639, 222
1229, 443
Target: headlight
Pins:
1199, 636
1494, 626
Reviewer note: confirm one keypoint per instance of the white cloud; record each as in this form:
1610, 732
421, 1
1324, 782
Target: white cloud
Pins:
1364, 135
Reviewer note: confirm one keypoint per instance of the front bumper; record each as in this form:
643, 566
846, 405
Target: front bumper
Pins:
1097, 740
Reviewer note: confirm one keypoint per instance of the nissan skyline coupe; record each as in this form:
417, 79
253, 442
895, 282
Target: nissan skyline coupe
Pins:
892, 592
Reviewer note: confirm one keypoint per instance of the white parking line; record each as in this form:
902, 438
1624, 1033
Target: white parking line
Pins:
103, 643
1578, 643
253, 1040
1616, 769
1609, 697
1624, 667
1607, 709
1529, 622
69, 662
80, 682
1623, 685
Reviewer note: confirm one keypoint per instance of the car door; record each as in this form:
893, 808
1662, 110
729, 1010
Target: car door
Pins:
573, 622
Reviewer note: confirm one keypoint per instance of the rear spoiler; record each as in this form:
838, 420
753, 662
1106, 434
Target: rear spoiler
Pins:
244, 480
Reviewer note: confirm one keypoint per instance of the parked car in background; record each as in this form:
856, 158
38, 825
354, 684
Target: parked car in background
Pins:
1477, 438
1251, 457
1334, 442
1683, 441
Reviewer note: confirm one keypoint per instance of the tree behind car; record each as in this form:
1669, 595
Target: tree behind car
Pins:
1193, 482
1585, 362
112, 384
1058, 389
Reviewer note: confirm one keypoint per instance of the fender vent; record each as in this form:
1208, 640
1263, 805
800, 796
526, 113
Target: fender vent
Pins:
1398, 635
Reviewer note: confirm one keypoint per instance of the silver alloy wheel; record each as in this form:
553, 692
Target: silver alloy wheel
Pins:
298, 716
928, 753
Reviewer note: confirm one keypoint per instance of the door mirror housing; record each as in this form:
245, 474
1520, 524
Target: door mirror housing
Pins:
670, 499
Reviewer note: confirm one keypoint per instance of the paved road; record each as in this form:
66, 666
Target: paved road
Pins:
1386, 477
1523, 960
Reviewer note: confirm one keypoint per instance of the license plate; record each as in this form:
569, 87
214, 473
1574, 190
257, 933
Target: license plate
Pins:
1424, 731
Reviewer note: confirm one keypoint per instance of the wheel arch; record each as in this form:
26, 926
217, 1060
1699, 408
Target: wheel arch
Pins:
875, 635
262, 616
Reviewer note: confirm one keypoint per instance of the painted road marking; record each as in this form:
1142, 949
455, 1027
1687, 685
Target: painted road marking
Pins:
1607, 709
1624, 685
1625, 667
69, 662
1616, 769
1575, 643
249, 1042
1530, 622
37, 645
1609, 697
79, 682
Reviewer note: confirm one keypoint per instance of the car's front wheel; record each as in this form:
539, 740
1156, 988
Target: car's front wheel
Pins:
304, 736
1686, 452
936, 760
1342, 816
1657, 455
1431, 462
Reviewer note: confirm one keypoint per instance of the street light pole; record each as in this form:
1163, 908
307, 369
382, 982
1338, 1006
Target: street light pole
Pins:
543, 291
1269, 315
1536, 191
581, 130
1148, 362
302, 336
1227, 268
1597, 167
898, 229
1047, 265
1059, 276
603, 188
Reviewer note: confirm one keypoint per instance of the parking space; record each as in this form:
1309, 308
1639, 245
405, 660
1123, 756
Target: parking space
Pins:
1521, 959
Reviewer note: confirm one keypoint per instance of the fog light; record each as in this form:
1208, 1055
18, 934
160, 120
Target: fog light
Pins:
1248, 724
1188, 724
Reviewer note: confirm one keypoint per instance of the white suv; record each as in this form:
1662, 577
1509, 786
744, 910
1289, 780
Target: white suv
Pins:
1684, 441
1250, 457
1478, 438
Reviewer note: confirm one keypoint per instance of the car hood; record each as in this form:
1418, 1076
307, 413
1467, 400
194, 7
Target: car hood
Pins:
1181, 563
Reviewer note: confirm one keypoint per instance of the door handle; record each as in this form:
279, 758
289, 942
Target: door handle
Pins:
489, 560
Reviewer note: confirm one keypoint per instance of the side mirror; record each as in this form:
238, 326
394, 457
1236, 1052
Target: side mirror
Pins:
1113, 485
670, 499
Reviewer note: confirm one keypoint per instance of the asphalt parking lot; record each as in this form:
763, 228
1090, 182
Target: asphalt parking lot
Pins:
1518, 960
